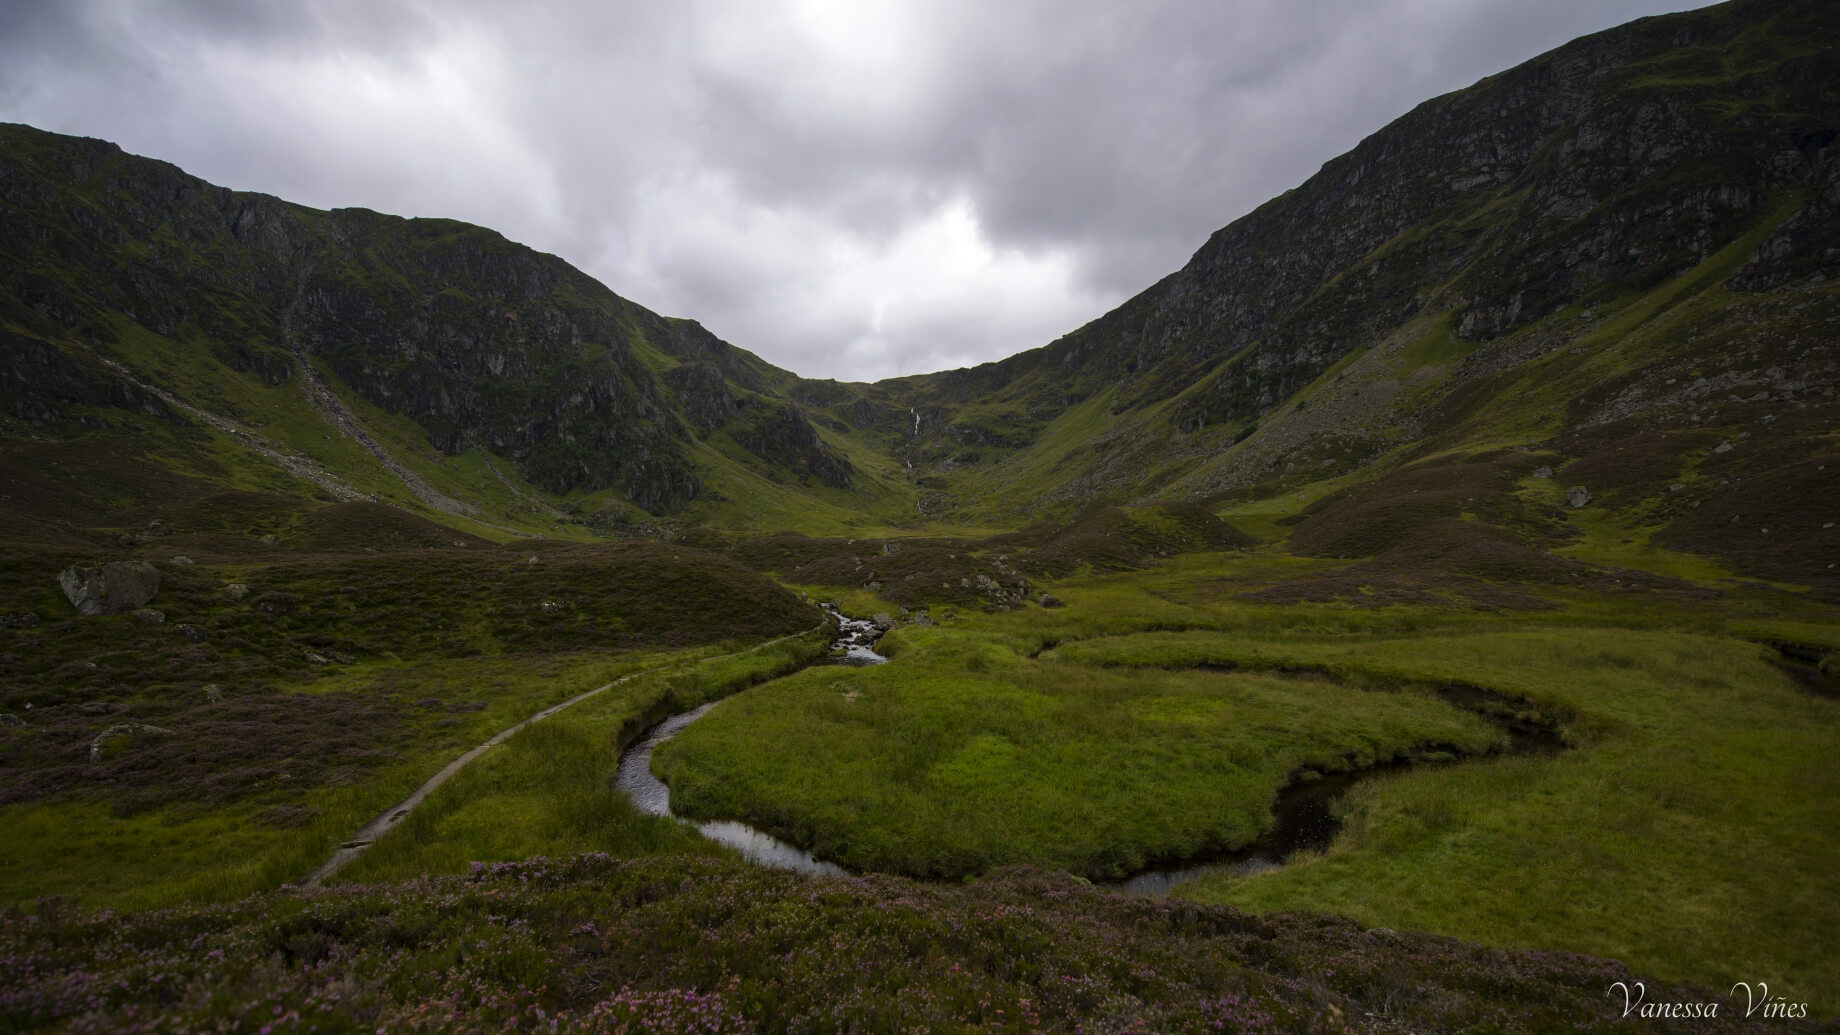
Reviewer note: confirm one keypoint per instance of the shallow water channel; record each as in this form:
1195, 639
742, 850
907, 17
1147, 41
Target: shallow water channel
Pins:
855, 645
1304, 813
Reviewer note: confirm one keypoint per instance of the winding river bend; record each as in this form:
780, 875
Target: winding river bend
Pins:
1304, 814
855, 645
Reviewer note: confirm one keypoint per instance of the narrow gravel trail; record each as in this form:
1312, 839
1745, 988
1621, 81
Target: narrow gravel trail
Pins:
355, 845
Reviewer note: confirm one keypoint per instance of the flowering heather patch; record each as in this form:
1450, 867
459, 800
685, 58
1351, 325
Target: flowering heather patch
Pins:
218, 752
595, 944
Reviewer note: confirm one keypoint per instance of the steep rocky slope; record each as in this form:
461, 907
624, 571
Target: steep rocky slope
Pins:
1600, 171
483, 342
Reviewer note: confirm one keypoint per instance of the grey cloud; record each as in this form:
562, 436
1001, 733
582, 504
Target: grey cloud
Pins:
708, 160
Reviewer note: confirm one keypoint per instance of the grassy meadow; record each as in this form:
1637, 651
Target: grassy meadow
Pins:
1157, 714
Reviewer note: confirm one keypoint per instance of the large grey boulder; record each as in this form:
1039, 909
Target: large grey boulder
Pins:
109, 589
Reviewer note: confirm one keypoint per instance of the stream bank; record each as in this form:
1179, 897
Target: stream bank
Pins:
1304, 813
854, 645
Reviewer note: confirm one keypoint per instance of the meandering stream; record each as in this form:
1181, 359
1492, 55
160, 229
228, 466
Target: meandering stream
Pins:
855, 645
1304, 813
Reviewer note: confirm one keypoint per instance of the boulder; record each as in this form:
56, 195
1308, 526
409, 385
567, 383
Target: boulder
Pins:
236, 591
98, 747
1542, 472
26, 620
1577, 496
109, 589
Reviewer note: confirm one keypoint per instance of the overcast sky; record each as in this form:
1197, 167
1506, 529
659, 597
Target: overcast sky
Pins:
850, 188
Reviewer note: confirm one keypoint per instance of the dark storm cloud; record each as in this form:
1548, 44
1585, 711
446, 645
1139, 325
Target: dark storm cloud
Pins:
851, 188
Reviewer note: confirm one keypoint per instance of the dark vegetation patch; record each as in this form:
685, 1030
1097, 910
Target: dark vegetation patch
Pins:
1394, 510
594, 944
993, 571
1620, 464
1121, 538
922, 574
1361, 585
916, 572
266, 746
407, 605
1455, 562
1769, 510
373, 527
244, 623
49, 490
237, 513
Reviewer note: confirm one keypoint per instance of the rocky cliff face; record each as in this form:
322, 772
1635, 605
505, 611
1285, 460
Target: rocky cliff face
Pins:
482, 341
1599, 169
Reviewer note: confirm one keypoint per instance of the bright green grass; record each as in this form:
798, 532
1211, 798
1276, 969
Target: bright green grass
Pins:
549, 789
963, 755
194, 853
1689, 834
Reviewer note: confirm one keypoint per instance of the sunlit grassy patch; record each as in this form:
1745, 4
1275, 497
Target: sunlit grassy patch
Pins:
963, 755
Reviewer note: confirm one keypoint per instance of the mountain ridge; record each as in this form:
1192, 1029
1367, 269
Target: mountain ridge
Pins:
1605, 237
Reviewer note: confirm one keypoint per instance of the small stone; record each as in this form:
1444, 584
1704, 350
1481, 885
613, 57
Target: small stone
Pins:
312, 658
1676, 487
1722, 447
1050, 600
27, 620
148, 615
9, 719
213, 693
190, 632
182, 561
1577, 496
1542, 472
551, 607
236, 591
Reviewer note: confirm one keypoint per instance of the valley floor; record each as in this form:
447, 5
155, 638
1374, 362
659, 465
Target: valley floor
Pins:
1148, 719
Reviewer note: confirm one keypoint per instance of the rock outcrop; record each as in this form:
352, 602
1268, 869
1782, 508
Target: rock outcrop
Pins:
118, 587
